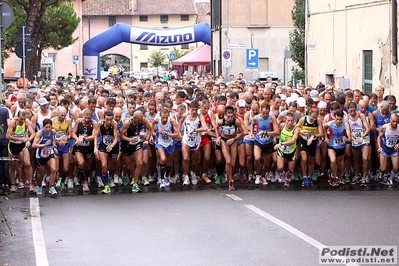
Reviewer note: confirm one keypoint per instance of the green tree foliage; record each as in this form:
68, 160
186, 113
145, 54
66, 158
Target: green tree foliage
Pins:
157, 58
180, 53
51, 23
297, 35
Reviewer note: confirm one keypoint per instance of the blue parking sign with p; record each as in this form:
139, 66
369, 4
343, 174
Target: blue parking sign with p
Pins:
252, 58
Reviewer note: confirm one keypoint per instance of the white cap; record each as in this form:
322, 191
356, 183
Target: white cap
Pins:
322, 105
301, 102
283, 97
314, 94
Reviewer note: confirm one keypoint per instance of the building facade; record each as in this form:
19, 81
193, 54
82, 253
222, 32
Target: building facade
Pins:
258, 24
349, 44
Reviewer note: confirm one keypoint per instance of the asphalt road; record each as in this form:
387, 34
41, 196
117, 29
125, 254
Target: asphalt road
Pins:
201, 225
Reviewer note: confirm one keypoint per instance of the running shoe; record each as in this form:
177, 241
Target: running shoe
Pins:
70, 184
355, 180
116, 180
13, 188
167, 181
257, 179
145, 181
264, 181
250, 178
273, 177
106, 190
224, 180
286, 182
242, 177
231, 185
100, 182
52, 191
314, 176
39, 191
310, 182
390, 182
385, 180
378, 176
194, 180
47, 178
151, 178
44, 183
342, 181
125, 181
175, 179
363, 182
396, 177
159, 181
347, 179
111, 182
331, 181
136, 188
76, 181
85, 186
278, 176
31, 188
186, 180
206, 178
305, 181
162, 183
58, 184
21, 185
218, 180
63, 186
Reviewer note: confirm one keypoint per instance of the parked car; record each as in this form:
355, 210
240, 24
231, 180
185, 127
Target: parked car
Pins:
264, 74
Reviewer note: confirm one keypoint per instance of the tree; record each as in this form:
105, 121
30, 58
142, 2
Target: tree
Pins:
297, 35
180, 53
157, 58
51, 23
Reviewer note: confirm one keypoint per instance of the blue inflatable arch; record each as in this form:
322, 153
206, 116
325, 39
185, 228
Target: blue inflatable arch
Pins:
126, 33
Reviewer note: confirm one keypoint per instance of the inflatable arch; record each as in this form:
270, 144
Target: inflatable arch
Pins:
126, 33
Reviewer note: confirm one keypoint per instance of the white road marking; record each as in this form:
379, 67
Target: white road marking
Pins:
233, 197
291, 229
38, 239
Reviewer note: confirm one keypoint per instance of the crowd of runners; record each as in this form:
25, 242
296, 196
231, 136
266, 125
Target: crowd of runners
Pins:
120, 132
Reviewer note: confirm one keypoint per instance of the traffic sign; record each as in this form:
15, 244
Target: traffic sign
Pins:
172, 56
7, 15
20, 32
226, 58
252, 58
75, 59
19, 50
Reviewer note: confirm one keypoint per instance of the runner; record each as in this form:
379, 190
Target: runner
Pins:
339, 135
232, 129
106, 148
286, 149
46, 146
388, 147
17, 129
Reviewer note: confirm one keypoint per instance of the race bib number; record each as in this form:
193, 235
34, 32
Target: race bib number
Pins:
263, 136
108, 140
285, 148
391, 142
338, 141
60, 134
134, 142
309, 135
165, 137
46, 151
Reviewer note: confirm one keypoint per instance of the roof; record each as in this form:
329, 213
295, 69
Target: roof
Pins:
138, 7
203, 9
199, 56
104, 7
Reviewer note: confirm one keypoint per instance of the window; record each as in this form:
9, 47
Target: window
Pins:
184, 46
143, 65
111, 20
143, 18
184, 17
164, 18
367, 71
143, 47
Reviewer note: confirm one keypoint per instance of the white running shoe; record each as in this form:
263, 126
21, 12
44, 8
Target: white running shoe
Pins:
264, 181
70, 184
100, 182
167, 181
116, 179
44, 183
111, 183
76, 181
162, 183
58, 184
257, 179
53, 191
186, 180
194, 180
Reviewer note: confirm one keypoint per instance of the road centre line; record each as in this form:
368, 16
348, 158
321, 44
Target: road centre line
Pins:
290, 229
233, 197
37, 231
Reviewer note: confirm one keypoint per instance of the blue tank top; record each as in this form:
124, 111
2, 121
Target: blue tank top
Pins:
263, 126
336, 136
380, 121
45, 152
